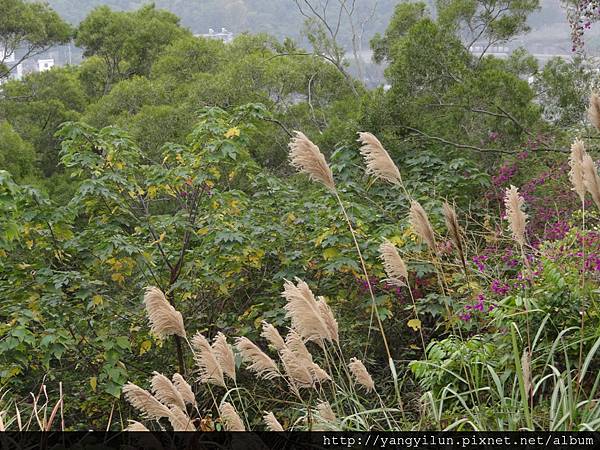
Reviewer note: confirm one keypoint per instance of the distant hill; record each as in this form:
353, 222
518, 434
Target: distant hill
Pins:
277, 17
282, 18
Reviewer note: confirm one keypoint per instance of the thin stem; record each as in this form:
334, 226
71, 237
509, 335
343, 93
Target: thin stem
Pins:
364, 268
373, 304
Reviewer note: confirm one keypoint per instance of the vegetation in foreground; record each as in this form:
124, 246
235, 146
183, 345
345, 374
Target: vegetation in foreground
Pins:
453, 284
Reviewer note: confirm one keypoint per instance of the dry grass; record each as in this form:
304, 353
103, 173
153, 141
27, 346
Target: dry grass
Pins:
517, 219
206, 361
378, 161
361, 375
231, 418
419, 221
164, 319
307, 158
394, 265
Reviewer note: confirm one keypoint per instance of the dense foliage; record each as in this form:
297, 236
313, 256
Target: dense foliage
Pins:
162, 160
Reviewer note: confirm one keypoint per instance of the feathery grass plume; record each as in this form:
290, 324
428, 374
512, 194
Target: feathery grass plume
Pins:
594, 110
393, 264
361, 375
591, 178
294, 342
180, 421
224, 355
271, 422
306, 157
164, 319
329, 319
576, 164
303, 310
517, 219
378, 161
454, 231
185, 390
166, 392
326, 412
420, 224
208, 366
318, 374
261, 364
296, 369
135, 426
231, 418
302, 356
270, 333
145, 402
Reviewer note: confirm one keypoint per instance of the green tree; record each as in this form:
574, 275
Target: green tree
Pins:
127, 42
26, 30
37, 105
444, 95
16, 156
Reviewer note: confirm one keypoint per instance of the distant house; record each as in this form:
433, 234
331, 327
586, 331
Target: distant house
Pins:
223, 35
45, 64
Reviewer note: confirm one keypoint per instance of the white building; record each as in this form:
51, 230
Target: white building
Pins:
223, 35
45, 64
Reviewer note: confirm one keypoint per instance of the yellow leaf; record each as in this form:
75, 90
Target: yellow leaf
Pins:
29, 244
118, 277
97, 300
415, 324
145, 346
397, 240
235, 131
330, 253
93, 383
320, 238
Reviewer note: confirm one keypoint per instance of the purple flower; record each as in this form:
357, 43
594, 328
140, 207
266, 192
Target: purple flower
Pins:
499, 287
479, 261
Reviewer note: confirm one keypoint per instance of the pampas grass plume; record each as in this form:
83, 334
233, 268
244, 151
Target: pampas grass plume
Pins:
231, 418
271, 422
393, 264
361, 375
454, 230
164, 319
326, 412
185, 390
517, 219
180, 421
261, 363
296, 369
166, 392
145, 402
378, 161
135, 426
305, 313
576, 165
591, 178
420, 224
208, 366
270, 333
307, 158
224, 355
